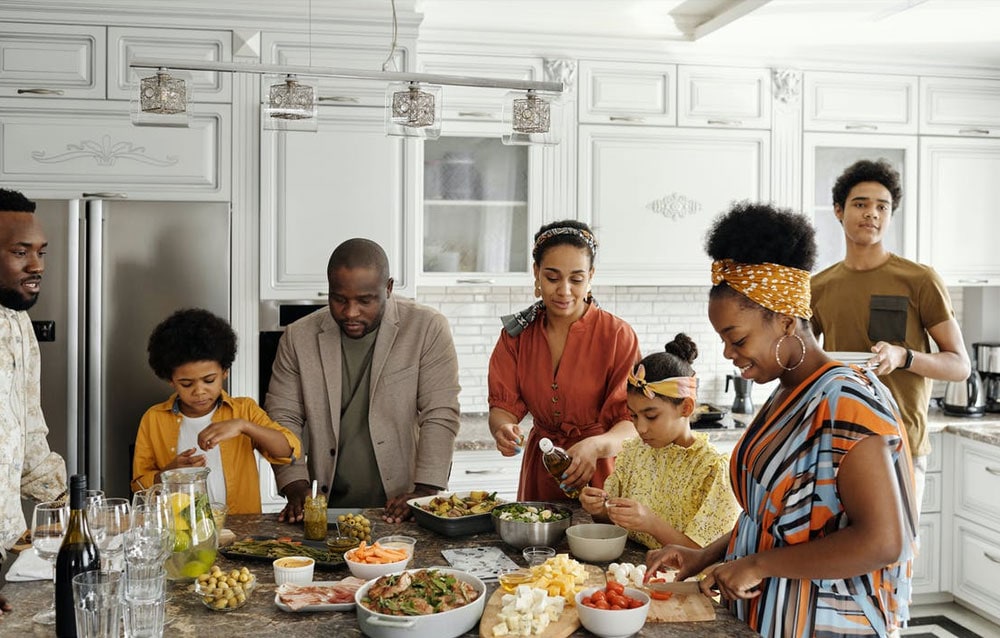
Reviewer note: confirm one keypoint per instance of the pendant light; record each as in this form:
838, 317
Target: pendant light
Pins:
161, 99
531, 118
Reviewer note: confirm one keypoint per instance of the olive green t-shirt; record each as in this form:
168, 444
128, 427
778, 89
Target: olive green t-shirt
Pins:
896, 302
357, 481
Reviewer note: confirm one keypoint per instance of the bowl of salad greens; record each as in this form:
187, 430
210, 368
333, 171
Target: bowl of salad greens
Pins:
526, 523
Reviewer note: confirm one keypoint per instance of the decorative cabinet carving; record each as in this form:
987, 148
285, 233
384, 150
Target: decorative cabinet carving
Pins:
66, 147
52, 60
958, 106
725, 97
652, 193
860, 102
628, 93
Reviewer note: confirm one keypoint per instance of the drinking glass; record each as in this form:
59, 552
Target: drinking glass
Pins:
97, 601
48, 526
108, 523
144, 602
151, 537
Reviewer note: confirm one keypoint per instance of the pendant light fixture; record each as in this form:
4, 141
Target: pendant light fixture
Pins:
291, 106
531, 118
161, 99
413, 110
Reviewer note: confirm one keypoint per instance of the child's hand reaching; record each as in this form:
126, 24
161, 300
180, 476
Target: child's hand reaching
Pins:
592, 499
187, 458
219, 432
632, 515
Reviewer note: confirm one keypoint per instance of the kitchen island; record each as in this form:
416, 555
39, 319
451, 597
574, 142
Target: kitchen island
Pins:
186, 616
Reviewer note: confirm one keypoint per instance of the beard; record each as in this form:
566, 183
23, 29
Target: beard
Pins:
14, 300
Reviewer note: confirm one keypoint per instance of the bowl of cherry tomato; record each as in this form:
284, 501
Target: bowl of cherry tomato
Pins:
612, 611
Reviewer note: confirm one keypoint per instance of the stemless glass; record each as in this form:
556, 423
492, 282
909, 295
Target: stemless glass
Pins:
48, 527
108, 523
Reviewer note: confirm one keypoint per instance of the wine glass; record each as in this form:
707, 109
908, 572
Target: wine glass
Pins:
108, 522
151, 537
48, 527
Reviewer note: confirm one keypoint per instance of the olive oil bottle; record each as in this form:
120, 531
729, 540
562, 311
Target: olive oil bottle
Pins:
556, 460
77, 554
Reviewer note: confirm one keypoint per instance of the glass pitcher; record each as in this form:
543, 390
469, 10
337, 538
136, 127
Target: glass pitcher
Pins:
196, 540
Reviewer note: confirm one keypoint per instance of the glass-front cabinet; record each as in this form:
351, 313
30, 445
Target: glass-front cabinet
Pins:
480, 208
826, 156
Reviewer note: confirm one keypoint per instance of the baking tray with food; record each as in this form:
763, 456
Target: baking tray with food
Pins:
707, 415
268, 548
456, 514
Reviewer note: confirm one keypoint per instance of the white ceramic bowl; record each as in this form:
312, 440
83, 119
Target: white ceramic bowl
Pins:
293, 569
445, 624
613, 623
368, 571
406, 543
596, 542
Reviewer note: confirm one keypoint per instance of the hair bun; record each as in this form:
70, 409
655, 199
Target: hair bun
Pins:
682, 347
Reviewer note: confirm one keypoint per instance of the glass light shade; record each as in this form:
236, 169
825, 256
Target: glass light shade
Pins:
291, 106
413, 110
531, 118
161, 99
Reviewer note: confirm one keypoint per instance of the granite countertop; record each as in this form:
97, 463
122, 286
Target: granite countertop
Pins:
186, 616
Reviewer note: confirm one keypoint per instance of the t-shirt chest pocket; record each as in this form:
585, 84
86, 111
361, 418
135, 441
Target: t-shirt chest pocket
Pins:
887, 318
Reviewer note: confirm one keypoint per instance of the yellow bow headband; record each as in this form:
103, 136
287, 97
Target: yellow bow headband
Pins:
673, 387
782, 289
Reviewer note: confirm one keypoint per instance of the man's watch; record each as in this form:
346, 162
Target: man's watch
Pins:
909, 360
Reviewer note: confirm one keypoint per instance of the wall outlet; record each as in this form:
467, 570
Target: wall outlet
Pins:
44, 330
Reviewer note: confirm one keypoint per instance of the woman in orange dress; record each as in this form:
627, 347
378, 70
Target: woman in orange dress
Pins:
565, 361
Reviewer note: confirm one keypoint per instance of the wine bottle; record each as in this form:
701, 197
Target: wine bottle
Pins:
556, 460
77, 554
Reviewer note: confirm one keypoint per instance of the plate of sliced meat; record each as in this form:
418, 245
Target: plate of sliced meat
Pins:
323, 595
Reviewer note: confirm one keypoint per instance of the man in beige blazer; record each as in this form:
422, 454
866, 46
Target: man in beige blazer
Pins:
370, 385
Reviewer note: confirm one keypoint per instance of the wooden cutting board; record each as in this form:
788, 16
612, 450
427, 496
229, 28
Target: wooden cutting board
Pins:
687, 604
569, 620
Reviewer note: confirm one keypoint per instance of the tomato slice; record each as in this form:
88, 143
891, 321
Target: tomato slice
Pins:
656, 594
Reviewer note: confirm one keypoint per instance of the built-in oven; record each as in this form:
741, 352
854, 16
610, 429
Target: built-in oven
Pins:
274, 316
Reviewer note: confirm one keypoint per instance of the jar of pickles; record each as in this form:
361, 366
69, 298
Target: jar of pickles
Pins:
314, 518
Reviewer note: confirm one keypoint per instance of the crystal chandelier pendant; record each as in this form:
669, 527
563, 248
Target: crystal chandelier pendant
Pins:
413, 110
291, 105
161, 100
531, 118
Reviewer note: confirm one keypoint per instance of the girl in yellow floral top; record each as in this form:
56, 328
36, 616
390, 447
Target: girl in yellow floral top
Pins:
670, 485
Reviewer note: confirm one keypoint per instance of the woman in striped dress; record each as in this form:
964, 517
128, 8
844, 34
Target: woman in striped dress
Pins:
824, 545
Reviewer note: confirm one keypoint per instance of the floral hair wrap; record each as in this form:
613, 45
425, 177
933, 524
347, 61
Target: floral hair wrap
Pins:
778, 288
672, 387
567, 230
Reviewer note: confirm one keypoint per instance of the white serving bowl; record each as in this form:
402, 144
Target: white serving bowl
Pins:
297, 570
368, 571
596, 542
446, 624
613, 623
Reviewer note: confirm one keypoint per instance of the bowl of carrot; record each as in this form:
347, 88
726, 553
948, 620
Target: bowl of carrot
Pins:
371, 561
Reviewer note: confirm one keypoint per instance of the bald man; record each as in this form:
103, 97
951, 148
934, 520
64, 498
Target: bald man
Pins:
27, 467
370, 384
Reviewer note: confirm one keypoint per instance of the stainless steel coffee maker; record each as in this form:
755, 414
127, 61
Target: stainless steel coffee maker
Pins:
987, 362
742, 403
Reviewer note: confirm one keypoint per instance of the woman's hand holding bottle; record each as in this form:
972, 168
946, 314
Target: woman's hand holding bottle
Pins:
585, 454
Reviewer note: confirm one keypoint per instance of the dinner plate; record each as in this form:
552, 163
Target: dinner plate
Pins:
335, 559
852, 358
323, 607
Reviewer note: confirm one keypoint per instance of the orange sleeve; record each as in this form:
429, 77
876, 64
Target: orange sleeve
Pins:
623, 357
504, 391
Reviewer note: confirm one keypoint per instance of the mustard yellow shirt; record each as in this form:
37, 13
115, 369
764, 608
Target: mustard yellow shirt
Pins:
156, 447
687, 487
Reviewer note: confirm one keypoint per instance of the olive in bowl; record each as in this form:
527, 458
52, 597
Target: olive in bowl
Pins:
225, 591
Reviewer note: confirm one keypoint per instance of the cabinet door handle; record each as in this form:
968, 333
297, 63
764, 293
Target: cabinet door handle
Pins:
484, 471
973, 131
726, 122
992, 558
861, 127
40, 91
995, 471
474, 114
338, 98
474, 280
626, 118
322, 294
973, 281
106, 195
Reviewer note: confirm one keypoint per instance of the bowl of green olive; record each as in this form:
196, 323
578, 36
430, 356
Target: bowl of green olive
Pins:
225, 591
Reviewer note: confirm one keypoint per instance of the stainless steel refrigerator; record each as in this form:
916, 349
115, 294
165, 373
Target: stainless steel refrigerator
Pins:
115, 268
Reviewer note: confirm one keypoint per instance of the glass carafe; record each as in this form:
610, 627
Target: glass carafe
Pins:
196, 540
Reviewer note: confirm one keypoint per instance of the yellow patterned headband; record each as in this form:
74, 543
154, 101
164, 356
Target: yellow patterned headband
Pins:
673, 387
782, 289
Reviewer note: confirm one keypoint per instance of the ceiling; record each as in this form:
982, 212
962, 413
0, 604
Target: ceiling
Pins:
936, 32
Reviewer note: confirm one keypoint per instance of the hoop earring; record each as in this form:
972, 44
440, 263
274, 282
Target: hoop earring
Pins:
538, 289
777, 352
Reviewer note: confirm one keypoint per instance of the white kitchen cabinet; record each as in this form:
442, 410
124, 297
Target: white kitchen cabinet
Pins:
977, 565
318, 189
959, 191
975, 539
724, 97
52, 60
927, 565
485, 470
651, 194
481, 207
959, 106
977, 481
62, 148
860, 102
825, 156
339, 51
126, 43
628, 93
478, 104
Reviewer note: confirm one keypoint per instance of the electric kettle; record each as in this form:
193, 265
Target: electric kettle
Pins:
965, 398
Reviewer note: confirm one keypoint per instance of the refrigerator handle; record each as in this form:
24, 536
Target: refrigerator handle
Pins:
74, 451
94, 321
